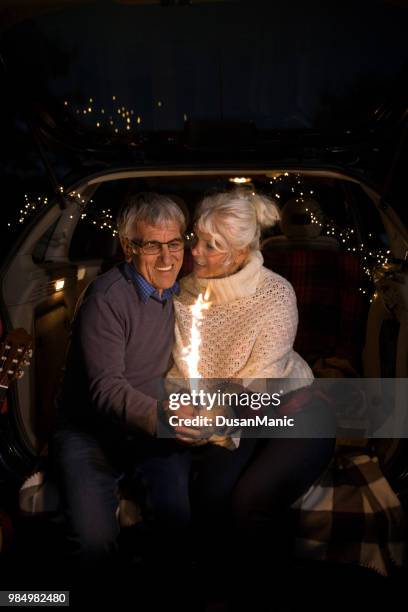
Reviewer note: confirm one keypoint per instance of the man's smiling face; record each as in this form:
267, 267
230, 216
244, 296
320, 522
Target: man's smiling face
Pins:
161, 269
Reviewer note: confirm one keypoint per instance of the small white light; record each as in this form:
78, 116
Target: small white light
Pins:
81, 274
59, 284
239, 180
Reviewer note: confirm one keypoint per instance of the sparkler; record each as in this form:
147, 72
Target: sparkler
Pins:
192, 353
192, 358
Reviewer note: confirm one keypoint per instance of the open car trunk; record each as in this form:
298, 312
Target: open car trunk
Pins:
66, 249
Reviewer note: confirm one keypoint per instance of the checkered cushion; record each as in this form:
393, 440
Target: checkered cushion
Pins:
332, 310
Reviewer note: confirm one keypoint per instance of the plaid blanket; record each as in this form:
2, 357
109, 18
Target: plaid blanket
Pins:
351, 515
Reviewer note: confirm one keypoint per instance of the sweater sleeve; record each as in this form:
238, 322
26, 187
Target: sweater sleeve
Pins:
272, 355
100, 332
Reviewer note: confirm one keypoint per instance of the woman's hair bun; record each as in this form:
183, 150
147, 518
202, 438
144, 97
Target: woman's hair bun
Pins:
267, 212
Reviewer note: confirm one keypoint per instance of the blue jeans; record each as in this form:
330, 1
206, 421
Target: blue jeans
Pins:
89, 471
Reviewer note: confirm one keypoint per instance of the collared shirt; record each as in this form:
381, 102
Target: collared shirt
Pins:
146, 290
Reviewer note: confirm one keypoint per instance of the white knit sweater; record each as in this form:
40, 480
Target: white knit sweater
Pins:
247, 333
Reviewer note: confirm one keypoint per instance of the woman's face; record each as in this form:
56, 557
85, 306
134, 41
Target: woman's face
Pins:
210, 263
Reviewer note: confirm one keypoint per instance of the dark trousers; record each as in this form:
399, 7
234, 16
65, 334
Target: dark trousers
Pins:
89, 473
280, 471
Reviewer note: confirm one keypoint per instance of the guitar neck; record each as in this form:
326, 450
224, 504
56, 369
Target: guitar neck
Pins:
15, 351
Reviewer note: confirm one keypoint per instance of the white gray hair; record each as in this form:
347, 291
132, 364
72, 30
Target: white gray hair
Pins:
151, 208
234, 219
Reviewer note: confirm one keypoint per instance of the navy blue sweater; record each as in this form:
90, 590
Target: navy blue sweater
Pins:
118, 355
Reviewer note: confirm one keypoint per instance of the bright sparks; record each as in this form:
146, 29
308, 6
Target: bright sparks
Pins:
192, 356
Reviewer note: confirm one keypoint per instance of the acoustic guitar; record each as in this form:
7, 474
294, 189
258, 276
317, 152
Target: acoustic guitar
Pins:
15, 354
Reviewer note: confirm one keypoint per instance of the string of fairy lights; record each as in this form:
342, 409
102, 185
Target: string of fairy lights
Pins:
114, 116
370, 255
103, 219
31, 204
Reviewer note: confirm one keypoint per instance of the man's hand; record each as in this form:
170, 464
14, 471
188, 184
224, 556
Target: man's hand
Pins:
184, 433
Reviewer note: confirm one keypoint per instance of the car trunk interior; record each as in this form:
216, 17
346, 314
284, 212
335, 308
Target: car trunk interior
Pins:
67, 249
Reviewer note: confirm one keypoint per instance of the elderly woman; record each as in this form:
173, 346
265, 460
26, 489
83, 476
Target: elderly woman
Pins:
248, 334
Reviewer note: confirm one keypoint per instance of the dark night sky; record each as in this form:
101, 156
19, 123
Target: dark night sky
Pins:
291, 64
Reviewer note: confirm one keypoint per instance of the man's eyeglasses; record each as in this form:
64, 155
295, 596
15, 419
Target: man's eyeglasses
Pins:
153, 247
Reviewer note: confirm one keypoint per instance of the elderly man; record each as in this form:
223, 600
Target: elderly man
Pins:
120, 349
